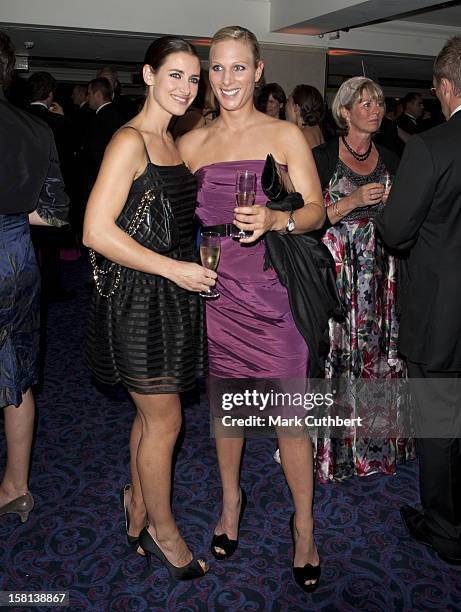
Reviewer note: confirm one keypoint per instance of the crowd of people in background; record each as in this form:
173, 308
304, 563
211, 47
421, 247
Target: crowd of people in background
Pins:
84, 122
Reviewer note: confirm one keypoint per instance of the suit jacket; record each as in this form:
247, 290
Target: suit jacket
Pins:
30, 176
125, 106
388, 137
101, 128
79, 119
61, 132
423, 215
54, 120
406, 123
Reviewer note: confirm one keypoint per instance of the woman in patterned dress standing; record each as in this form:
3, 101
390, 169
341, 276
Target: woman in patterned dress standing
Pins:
355, 174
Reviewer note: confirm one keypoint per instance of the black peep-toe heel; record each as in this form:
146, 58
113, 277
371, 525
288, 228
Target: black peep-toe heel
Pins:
188, 572
223, 541
133, 541
308, 572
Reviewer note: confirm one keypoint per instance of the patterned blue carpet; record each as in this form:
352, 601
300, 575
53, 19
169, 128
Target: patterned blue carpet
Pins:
74, 539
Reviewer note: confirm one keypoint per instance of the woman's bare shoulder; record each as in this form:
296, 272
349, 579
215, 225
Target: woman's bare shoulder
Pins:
126, 153
278, 129
279, 137
191, 144
287, 129
128, 140
194, 137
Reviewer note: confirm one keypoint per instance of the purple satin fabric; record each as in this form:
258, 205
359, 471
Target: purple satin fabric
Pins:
251, 332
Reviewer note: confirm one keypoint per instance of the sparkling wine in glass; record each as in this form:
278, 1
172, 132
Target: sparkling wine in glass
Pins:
210, 250
245, 194
387, 182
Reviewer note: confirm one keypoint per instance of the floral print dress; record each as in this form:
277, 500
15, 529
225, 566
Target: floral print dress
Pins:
364, 345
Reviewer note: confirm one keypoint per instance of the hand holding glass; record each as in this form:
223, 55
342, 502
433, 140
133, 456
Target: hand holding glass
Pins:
245, 193
210, 250
387, 182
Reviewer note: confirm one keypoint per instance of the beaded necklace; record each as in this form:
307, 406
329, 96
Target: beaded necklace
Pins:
358, 156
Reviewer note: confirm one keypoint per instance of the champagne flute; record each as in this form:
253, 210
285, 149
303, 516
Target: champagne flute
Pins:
210, 250
245, 194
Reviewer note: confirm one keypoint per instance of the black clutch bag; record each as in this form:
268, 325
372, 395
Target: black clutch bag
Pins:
275, 181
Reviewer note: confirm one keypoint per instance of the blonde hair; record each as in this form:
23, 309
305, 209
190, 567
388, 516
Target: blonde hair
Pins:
239, 33
349, 93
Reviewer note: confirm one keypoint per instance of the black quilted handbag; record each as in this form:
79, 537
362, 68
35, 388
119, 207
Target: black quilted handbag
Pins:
150, 221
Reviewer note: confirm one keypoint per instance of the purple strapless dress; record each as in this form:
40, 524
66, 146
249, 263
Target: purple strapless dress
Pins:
251, 332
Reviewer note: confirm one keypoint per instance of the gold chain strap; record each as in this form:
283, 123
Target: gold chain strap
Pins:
133, 226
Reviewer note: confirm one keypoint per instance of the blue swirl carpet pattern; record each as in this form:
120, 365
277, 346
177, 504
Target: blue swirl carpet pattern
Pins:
74, 539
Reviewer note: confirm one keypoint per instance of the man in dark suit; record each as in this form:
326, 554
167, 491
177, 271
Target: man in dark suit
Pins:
101, 128
423, 216
42, 88
388, 135
409, 122
125, 106
48, 242
80, 118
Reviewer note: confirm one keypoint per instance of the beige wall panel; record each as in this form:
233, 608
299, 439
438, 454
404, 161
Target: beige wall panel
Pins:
290, 66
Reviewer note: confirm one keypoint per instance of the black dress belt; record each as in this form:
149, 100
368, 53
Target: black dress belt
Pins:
225, 229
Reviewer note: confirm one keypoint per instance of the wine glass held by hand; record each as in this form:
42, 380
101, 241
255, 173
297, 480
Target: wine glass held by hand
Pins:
370, 194
245, 194
210, 250
387, 183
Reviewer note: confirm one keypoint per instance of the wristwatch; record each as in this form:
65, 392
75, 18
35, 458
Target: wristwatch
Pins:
290, 224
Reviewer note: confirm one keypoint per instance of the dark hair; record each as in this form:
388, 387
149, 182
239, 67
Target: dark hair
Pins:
161, 48
391, 104
7, 59
311, 104
273, 89
83, 89
40, 85
102, 85
447, 64
410, 97
205, 97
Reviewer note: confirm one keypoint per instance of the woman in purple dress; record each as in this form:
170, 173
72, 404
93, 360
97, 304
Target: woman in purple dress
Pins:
251, 331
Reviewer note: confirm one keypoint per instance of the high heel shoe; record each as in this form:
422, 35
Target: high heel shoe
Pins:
188, 572
308, 572
133, 541
222, 540
22, 505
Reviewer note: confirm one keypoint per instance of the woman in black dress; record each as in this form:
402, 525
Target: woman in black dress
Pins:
146, 321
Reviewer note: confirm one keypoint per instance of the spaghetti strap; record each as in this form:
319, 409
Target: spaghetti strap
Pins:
144, 142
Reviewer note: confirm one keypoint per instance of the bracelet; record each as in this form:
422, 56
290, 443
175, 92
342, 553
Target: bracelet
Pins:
336, 211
